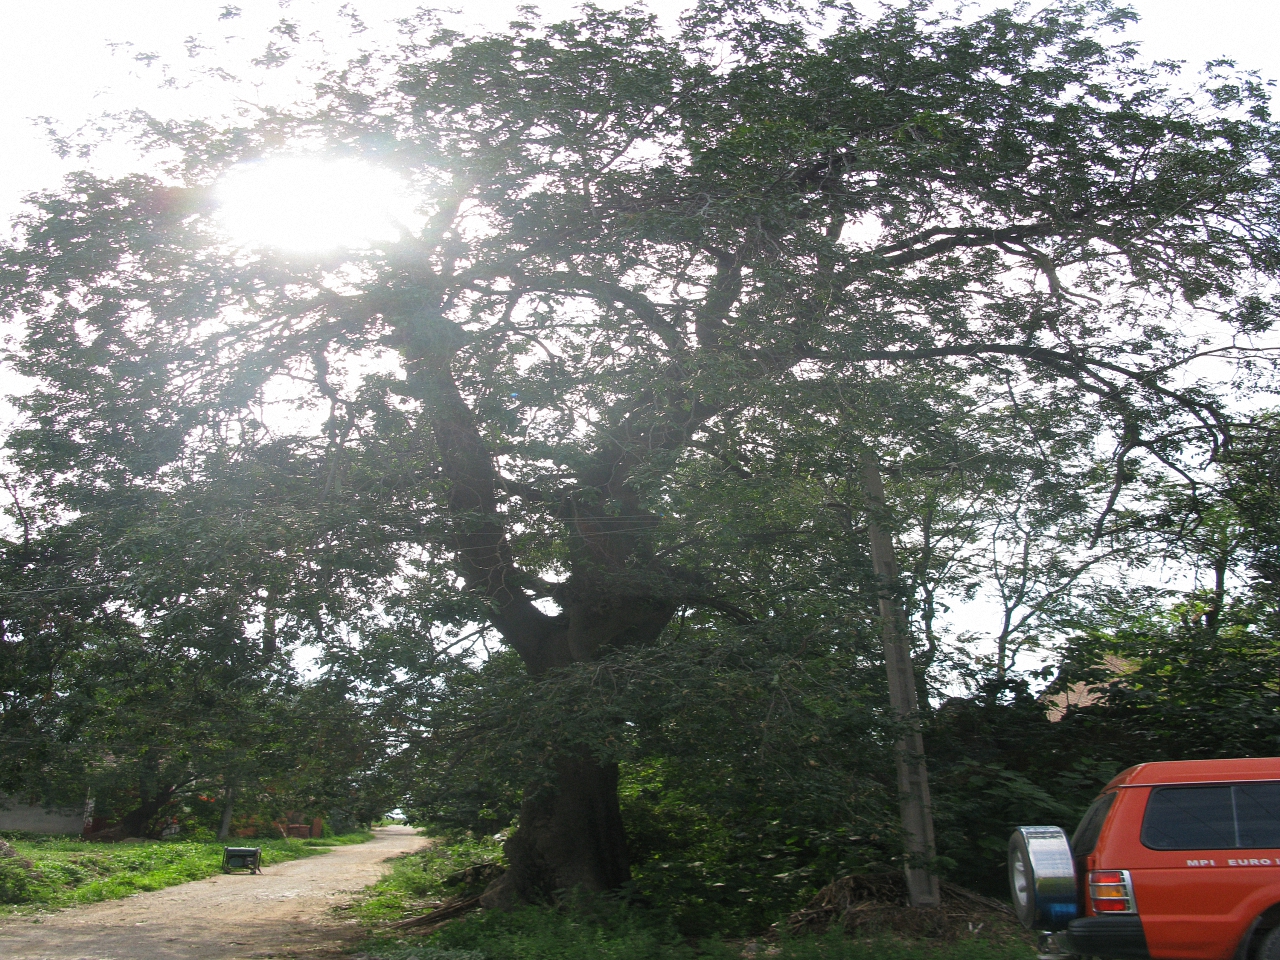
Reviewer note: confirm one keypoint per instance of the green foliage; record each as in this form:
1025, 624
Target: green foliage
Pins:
601, 928
183, 716
607, 931
421, 877
1191, 681
997, 762
16, 881
724, 861
1254, 491
772, 707
749, 776
68, 872
1183, 690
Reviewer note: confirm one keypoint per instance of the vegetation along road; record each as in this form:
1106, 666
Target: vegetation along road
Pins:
285, 911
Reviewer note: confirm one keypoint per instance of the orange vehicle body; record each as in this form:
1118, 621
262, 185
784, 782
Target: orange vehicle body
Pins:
1194, 903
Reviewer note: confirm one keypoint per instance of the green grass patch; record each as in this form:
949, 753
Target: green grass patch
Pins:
621, 932
419, 879
67, 871
601, 931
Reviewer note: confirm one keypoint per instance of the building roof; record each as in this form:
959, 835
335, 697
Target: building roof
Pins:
1083, 693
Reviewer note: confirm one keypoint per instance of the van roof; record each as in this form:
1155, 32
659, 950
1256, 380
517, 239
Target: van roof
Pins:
1197, 771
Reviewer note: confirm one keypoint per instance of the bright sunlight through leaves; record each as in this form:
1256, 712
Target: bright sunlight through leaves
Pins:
312, 203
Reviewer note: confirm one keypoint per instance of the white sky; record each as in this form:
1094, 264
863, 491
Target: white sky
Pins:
57, 57
74, 60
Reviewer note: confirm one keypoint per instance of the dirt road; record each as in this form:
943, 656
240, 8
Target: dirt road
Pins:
283, 912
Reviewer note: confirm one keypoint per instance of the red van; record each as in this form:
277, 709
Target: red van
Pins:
1173, 860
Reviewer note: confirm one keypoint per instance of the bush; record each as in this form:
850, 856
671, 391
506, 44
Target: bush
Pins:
604, 929
593, 927
419, 877
15, 881
398, 951
995, 762
598, 930
721, 869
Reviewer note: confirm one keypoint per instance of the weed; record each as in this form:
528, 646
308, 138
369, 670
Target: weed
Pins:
420, 878
620, 932
400, 951
598, 928
602, 931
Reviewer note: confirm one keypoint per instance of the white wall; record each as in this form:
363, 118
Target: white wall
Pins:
35, 819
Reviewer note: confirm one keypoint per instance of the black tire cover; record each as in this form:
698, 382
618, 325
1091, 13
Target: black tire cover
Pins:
1042, 878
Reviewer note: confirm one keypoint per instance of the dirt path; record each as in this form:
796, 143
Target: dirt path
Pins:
283, 912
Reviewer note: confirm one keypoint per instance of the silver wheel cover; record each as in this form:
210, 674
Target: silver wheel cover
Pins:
1042, 878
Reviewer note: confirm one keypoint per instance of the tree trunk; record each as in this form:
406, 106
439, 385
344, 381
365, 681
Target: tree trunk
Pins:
570, 838
913, 776
137, 821
570, 834
224, 828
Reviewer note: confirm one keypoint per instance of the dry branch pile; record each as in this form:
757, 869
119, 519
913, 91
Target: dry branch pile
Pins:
437, 918
442, 913
877, 902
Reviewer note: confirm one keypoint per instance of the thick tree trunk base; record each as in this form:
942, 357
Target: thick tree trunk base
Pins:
570, 838
224, 828
138, 822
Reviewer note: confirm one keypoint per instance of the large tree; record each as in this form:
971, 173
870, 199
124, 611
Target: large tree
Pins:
638, 246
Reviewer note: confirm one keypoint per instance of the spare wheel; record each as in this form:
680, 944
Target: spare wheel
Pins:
1042, 878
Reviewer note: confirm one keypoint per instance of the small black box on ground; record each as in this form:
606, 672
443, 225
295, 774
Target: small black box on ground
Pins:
242, 858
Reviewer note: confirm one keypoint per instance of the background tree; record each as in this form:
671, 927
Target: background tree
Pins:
1251, 521
1150, 674
142, 710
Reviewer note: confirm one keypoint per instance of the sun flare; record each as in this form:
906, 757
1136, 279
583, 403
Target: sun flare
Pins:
312, 203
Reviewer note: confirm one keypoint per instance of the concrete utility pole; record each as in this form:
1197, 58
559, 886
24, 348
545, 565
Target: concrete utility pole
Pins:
913, 776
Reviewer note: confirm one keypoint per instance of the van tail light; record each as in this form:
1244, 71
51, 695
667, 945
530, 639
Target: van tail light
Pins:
1111, 891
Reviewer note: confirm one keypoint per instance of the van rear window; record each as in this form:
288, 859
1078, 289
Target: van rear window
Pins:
1216, 817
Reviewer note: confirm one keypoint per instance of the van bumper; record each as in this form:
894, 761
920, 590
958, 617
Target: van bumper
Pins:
1119, 938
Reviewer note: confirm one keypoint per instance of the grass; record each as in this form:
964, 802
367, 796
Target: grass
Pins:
67, 871
619, 932
419, 879
837, 947
595, 929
